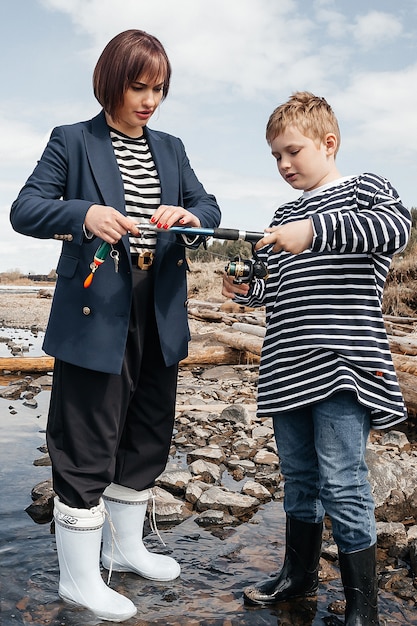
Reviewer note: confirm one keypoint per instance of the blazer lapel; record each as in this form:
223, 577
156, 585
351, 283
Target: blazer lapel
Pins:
166, 163
103, 163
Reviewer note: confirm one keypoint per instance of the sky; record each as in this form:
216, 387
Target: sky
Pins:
233, 62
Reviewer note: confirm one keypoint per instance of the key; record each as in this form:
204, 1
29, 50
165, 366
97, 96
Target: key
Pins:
115, 256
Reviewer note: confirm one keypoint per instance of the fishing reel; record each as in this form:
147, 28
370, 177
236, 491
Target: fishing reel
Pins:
245, 270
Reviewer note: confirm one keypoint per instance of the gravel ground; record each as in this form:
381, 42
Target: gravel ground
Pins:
24, 310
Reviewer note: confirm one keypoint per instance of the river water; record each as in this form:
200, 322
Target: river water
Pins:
216, 565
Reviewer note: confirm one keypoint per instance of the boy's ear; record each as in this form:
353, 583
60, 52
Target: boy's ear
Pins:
331, 143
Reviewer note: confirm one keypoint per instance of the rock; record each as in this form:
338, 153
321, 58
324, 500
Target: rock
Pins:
222, 372
45, 293
245, 447
256, 490
210, 517
266, 457
43, 461
41, 509
44, 382
263, 433
174, 480
11, 392
220, 498
167, 508
236, 414
212, 454
393, 485
31, 403
244, 464
392, 537
395, 439
193, 492
208, 472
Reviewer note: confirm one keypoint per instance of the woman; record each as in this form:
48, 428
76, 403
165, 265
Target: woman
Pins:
116, 343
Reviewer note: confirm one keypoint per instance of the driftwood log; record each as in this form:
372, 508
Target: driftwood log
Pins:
403, 345
203, 350
26, 364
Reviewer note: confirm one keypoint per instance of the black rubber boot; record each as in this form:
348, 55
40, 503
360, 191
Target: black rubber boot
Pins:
299, 574
358, 572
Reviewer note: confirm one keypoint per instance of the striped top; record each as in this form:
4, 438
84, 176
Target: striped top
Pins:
141, 185
325, 330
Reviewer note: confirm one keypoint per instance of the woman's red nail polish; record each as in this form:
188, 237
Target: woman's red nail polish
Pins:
165, 226
159, 225
153, 220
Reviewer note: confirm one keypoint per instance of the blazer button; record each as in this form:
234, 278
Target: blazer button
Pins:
180, 262
86, 310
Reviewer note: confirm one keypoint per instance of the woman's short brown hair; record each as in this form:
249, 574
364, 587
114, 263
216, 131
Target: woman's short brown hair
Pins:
128, 56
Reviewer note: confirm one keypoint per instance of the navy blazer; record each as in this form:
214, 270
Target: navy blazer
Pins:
88, 327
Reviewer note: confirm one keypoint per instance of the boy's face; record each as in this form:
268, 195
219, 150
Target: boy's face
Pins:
304, 163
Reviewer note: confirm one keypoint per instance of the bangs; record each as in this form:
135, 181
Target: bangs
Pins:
153, 71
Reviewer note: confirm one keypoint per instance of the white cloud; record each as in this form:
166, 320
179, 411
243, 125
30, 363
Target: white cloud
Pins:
246, 46
19, 140
376, 28
381, 106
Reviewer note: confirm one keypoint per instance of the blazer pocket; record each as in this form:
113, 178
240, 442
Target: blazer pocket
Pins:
67, 266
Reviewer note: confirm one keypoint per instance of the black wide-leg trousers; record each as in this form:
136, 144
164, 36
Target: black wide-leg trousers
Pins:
105, 428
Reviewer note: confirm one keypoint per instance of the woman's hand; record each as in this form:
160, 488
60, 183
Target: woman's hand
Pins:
231, 289
294, 237
166, 216
108, 223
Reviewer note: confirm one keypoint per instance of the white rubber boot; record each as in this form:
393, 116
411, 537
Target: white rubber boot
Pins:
78, 538
123, 549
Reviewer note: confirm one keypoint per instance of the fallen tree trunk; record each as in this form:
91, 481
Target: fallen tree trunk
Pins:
205, 349
202, 350
403, 345
250, 329
208, 315
27, 363
241, 341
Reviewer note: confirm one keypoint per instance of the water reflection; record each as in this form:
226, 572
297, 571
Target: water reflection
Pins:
27, 340
215, 566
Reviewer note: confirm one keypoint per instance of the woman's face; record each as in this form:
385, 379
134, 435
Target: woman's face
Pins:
140, 102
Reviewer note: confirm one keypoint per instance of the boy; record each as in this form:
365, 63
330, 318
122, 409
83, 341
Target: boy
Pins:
326, 374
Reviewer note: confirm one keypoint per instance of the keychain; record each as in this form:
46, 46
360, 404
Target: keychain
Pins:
99, 258
115, 256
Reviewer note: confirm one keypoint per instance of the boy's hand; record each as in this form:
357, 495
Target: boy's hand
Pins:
294, 237
231, 289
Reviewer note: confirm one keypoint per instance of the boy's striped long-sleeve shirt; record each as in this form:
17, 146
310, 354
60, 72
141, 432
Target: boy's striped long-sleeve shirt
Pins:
325, 330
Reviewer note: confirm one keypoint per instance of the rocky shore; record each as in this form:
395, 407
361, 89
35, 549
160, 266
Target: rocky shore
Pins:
224, 466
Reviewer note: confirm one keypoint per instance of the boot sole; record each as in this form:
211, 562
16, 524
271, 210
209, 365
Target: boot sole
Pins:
267, 602
106, 617
121, 568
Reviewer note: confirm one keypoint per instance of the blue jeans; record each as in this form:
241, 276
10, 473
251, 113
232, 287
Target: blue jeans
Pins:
322, 452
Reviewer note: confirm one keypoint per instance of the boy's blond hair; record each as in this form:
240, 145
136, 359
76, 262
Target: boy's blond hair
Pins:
312, 115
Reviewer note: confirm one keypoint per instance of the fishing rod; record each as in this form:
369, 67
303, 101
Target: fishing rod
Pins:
242, 270
230, 234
